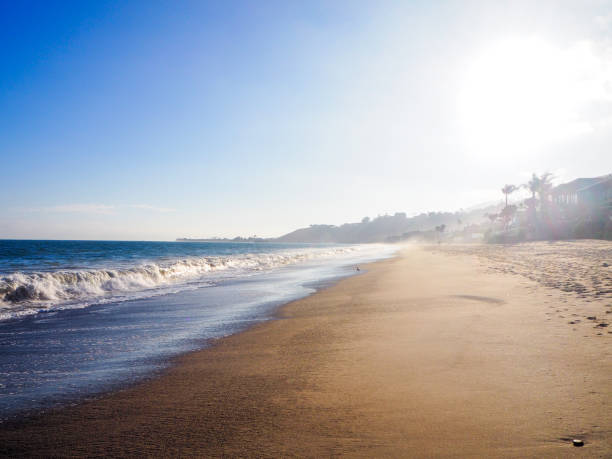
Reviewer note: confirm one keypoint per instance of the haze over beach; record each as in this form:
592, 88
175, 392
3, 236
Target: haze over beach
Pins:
312, 229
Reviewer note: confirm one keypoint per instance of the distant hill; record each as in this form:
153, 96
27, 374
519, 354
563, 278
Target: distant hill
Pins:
384, 228
387, 228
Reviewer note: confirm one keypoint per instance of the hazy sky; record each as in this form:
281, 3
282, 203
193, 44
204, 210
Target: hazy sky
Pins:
154, 120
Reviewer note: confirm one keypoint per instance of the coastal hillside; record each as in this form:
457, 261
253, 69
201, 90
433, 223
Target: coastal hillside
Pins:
386, 228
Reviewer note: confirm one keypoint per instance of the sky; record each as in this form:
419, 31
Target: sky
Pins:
154, 120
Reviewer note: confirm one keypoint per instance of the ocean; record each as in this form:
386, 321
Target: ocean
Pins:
78, 318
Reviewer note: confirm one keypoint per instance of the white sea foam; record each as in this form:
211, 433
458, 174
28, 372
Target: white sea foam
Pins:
24, 293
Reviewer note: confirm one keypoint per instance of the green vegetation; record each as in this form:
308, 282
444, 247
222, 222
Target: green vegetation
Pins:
578, 209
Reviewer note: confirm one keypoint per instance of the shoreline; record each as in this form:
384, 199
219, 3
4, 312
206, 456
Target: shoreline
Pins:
165, 364
159, 365
367, 366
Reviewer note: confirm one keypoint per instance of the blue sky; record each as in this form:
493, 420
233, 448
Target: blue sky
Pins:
153, 120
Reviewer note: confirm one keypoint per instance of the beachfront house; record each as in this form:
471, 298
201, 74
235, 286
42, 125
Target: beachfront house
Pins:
592, 192
597, 195
582, 208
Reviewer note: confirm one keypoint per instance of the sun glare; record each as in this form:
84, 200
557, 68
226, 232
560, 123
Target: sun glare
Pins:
518, 95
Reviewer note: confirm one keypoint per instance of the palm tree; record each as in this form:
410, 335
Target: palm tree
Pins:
508, 190
545, 185
507, 214
533, 185
542, 186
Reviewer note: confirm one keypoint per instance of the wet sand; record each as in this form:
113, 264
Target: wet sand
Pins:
435, 353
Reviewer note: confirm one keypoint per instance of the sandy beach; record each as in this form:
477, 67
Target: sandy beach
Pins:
451, 351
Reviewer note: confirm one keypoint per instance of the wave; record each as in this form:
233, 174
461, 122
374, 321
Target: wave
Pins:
24, 293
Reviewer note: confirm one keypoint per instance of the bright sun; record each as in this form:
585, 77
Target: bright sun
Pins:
518, 95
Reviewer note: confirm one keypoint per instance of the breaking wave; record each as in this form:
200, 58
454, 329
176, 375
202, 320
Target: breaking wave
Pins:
24, 293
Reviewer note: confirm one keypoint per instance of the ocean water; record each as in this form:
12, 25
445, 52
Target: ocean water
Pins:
81, 317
